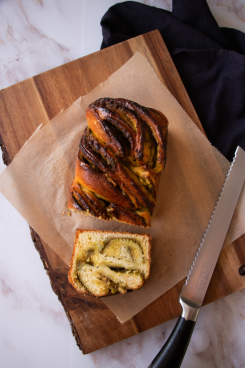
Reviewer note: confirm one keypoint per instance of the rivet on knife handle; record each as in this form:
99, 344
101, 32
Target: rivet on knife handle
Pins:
194, 290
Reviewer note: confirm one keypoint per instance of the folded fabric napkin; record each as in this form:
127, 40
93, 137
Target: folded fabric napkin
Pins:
209, 59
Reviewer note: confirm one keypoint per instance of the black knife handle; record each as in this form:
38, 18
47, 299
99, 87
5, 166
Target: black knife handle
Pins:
172, 353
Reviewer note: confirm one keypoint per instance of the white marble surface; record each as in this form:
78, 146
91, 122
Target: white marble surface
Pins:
36, 35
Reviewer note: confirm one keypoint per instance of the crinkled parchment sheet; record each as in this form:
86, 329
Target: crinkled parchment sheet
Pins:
37, 182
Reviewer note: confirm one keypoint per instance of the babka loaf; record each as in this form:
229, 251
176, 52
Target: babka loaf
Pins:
106, 262
121, 155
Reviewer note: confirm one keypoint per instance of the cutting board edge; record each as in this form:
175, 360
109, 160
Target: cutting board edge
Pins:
54, 285
42, 252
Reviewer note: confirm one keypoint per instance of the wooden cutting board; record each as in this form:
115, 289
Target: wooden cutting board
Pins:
24, 106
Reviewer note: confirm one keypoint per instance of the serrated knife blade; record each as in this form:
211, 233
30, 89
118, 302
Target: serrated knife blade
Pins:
194, 290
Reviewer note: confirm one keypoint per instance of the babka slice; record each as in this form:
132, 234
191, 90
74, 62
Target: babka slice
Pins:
106, 262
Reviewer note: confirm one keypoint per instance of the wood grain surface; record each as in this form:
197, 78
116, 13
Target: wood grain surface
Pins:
24, 106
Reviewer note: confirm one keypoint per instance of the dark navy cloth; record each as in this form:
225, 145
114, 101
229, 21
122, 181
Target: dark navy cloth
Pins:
209, 59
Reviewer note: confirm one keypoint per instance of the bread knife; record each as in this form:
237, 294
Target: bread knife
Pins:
193, 292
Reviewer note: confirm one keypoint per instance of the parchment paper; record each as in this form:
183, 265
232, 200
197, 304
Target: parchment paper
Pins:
37, 182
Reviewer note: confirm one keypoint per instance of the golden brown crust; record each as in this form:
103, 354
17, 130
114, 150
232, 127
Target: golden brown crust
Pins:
80, 244
121, 155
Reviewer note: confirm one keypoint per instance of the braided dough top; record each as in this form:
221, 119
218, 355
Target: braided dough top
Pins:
121, 155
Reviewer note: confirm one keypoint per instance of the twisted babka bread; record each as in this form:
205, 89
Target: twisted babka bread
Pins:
121, 155
106, 262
